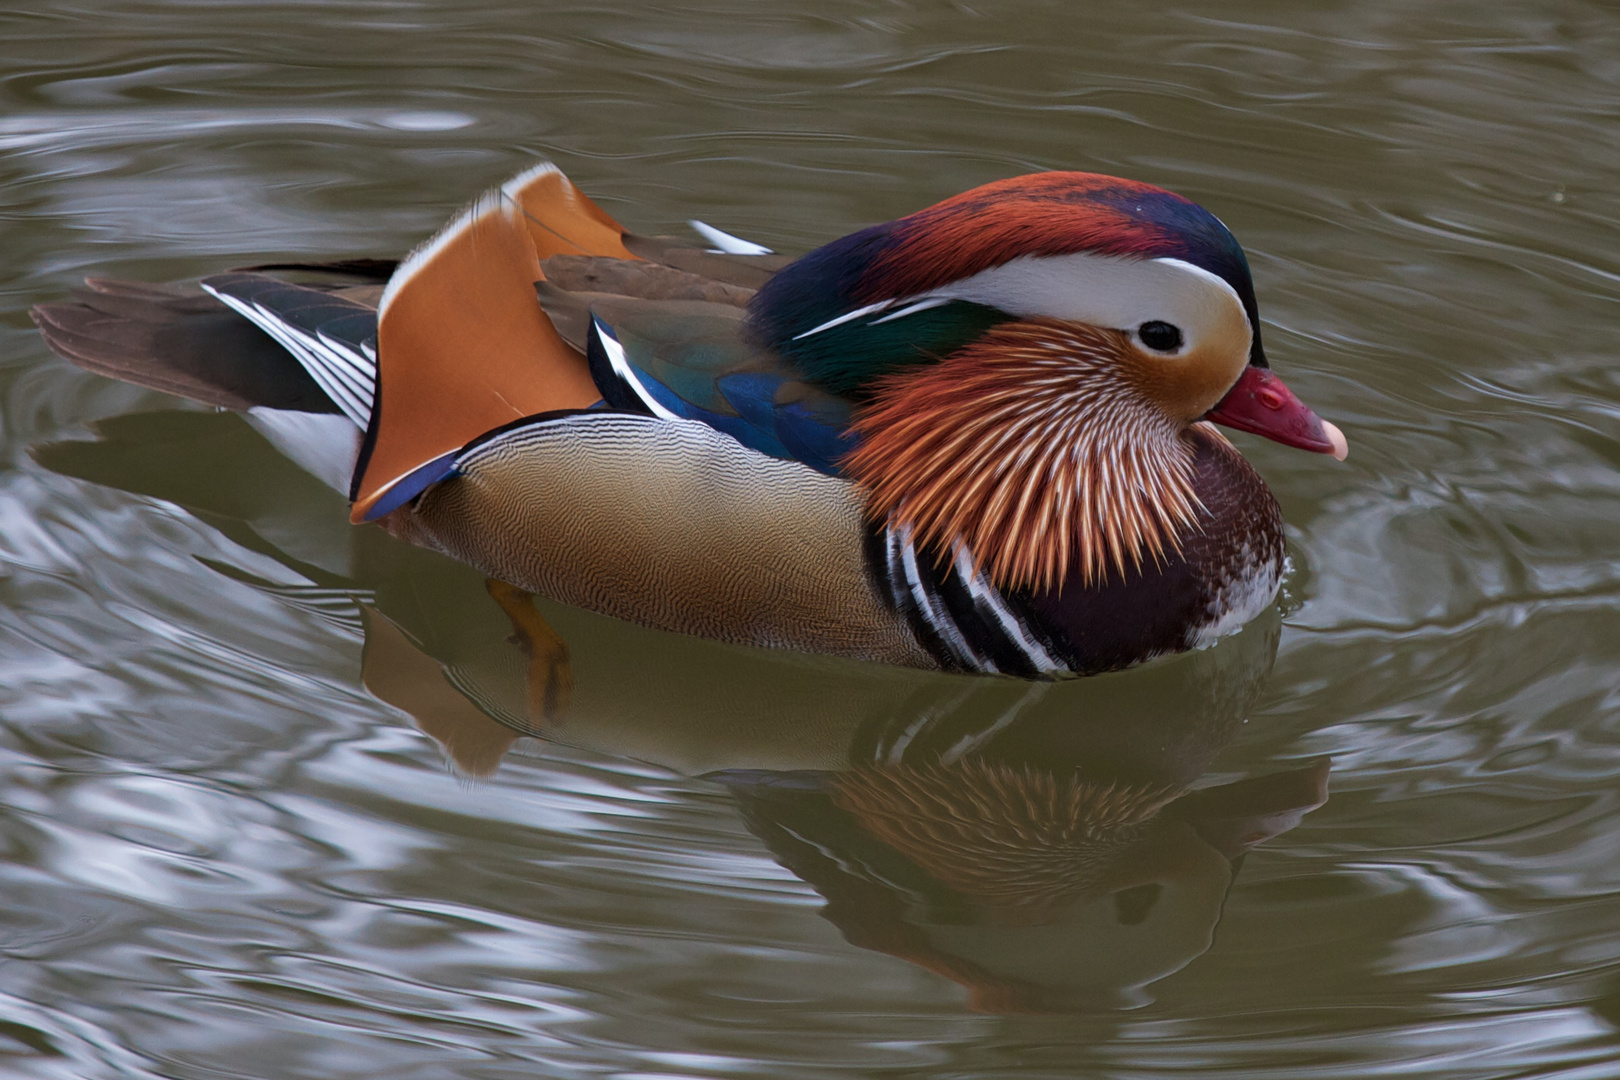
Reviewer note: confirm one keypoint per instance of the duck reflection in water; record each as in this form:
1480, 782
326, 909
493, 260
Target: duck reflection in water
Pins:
1043, 844
1039, 890
1039, 843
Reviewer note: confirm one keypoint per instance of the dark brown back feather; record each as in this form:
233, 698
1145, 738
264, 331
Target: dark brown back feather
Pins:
635, 277
749, 271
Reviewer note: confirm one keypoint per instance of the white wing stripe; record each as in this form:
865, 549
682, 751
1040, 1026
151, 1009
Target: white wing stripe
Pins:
345, 375
316, 361
355, 366
340, 362
293, 344
621, 367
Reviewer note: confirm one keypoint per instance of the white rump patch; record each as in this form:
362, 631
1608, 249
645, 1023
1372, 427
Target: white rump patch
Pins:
325, 445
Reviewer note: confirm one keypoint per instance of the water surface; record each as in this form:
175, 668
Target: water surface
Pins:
246, 826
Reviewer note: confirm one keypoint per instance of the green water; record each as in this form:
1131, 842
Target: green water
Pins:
229, 852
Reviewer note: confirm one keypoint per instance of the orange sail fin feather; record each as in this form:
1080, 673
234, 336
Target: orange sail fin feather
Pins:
562, 219
462, 344
1004, 447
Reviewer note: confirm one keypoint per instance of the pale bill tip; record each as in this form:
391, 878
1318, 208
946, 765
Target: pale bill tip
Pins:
1341, 445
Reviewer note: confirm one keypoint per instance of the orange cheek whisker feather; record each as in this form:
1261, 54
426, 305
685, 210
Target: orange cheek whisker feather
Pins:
1036, 450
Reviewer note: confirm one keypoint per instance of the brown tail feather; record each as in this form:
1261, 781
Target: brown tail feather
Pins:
179, 341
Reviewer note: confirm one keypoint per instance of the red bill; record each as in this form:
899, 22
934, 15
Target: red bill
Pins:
1261, 405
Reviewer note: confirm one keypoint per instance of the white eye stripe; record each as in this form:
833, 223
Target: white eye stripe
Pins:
1213, 280
1100, 290
1105, 291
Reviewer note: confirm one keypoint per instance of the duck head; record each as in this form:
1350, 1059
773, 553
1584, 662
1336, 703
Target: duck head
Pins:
1029, 357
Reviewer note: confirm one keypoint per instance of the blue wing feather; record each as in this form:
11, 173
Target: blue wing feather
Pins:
690, 360
812, 439
752, 394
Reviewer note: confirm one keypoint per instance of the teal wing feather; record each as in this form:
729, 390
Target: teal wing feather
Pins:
690, 359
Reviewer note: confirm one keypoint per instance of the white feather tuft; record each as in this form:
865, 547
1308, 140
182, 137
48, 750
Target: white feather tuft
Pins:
726, 243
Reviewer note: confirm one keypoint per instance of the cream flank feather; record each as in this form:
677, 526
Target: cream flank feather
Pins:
1041, 447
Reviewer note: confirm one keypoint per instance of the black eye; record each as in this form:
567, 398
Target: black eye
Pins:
1159, 336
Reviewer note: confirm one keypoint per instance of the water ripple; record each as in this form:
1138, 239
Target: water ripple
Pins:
226, 856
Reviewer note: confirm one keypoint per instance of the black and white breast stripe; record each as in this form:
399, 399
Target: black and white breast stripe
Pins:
333, 338
960, 617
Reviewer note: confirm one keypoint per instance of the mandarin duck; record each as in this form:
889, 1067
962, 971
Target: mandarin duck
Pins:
977, 438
